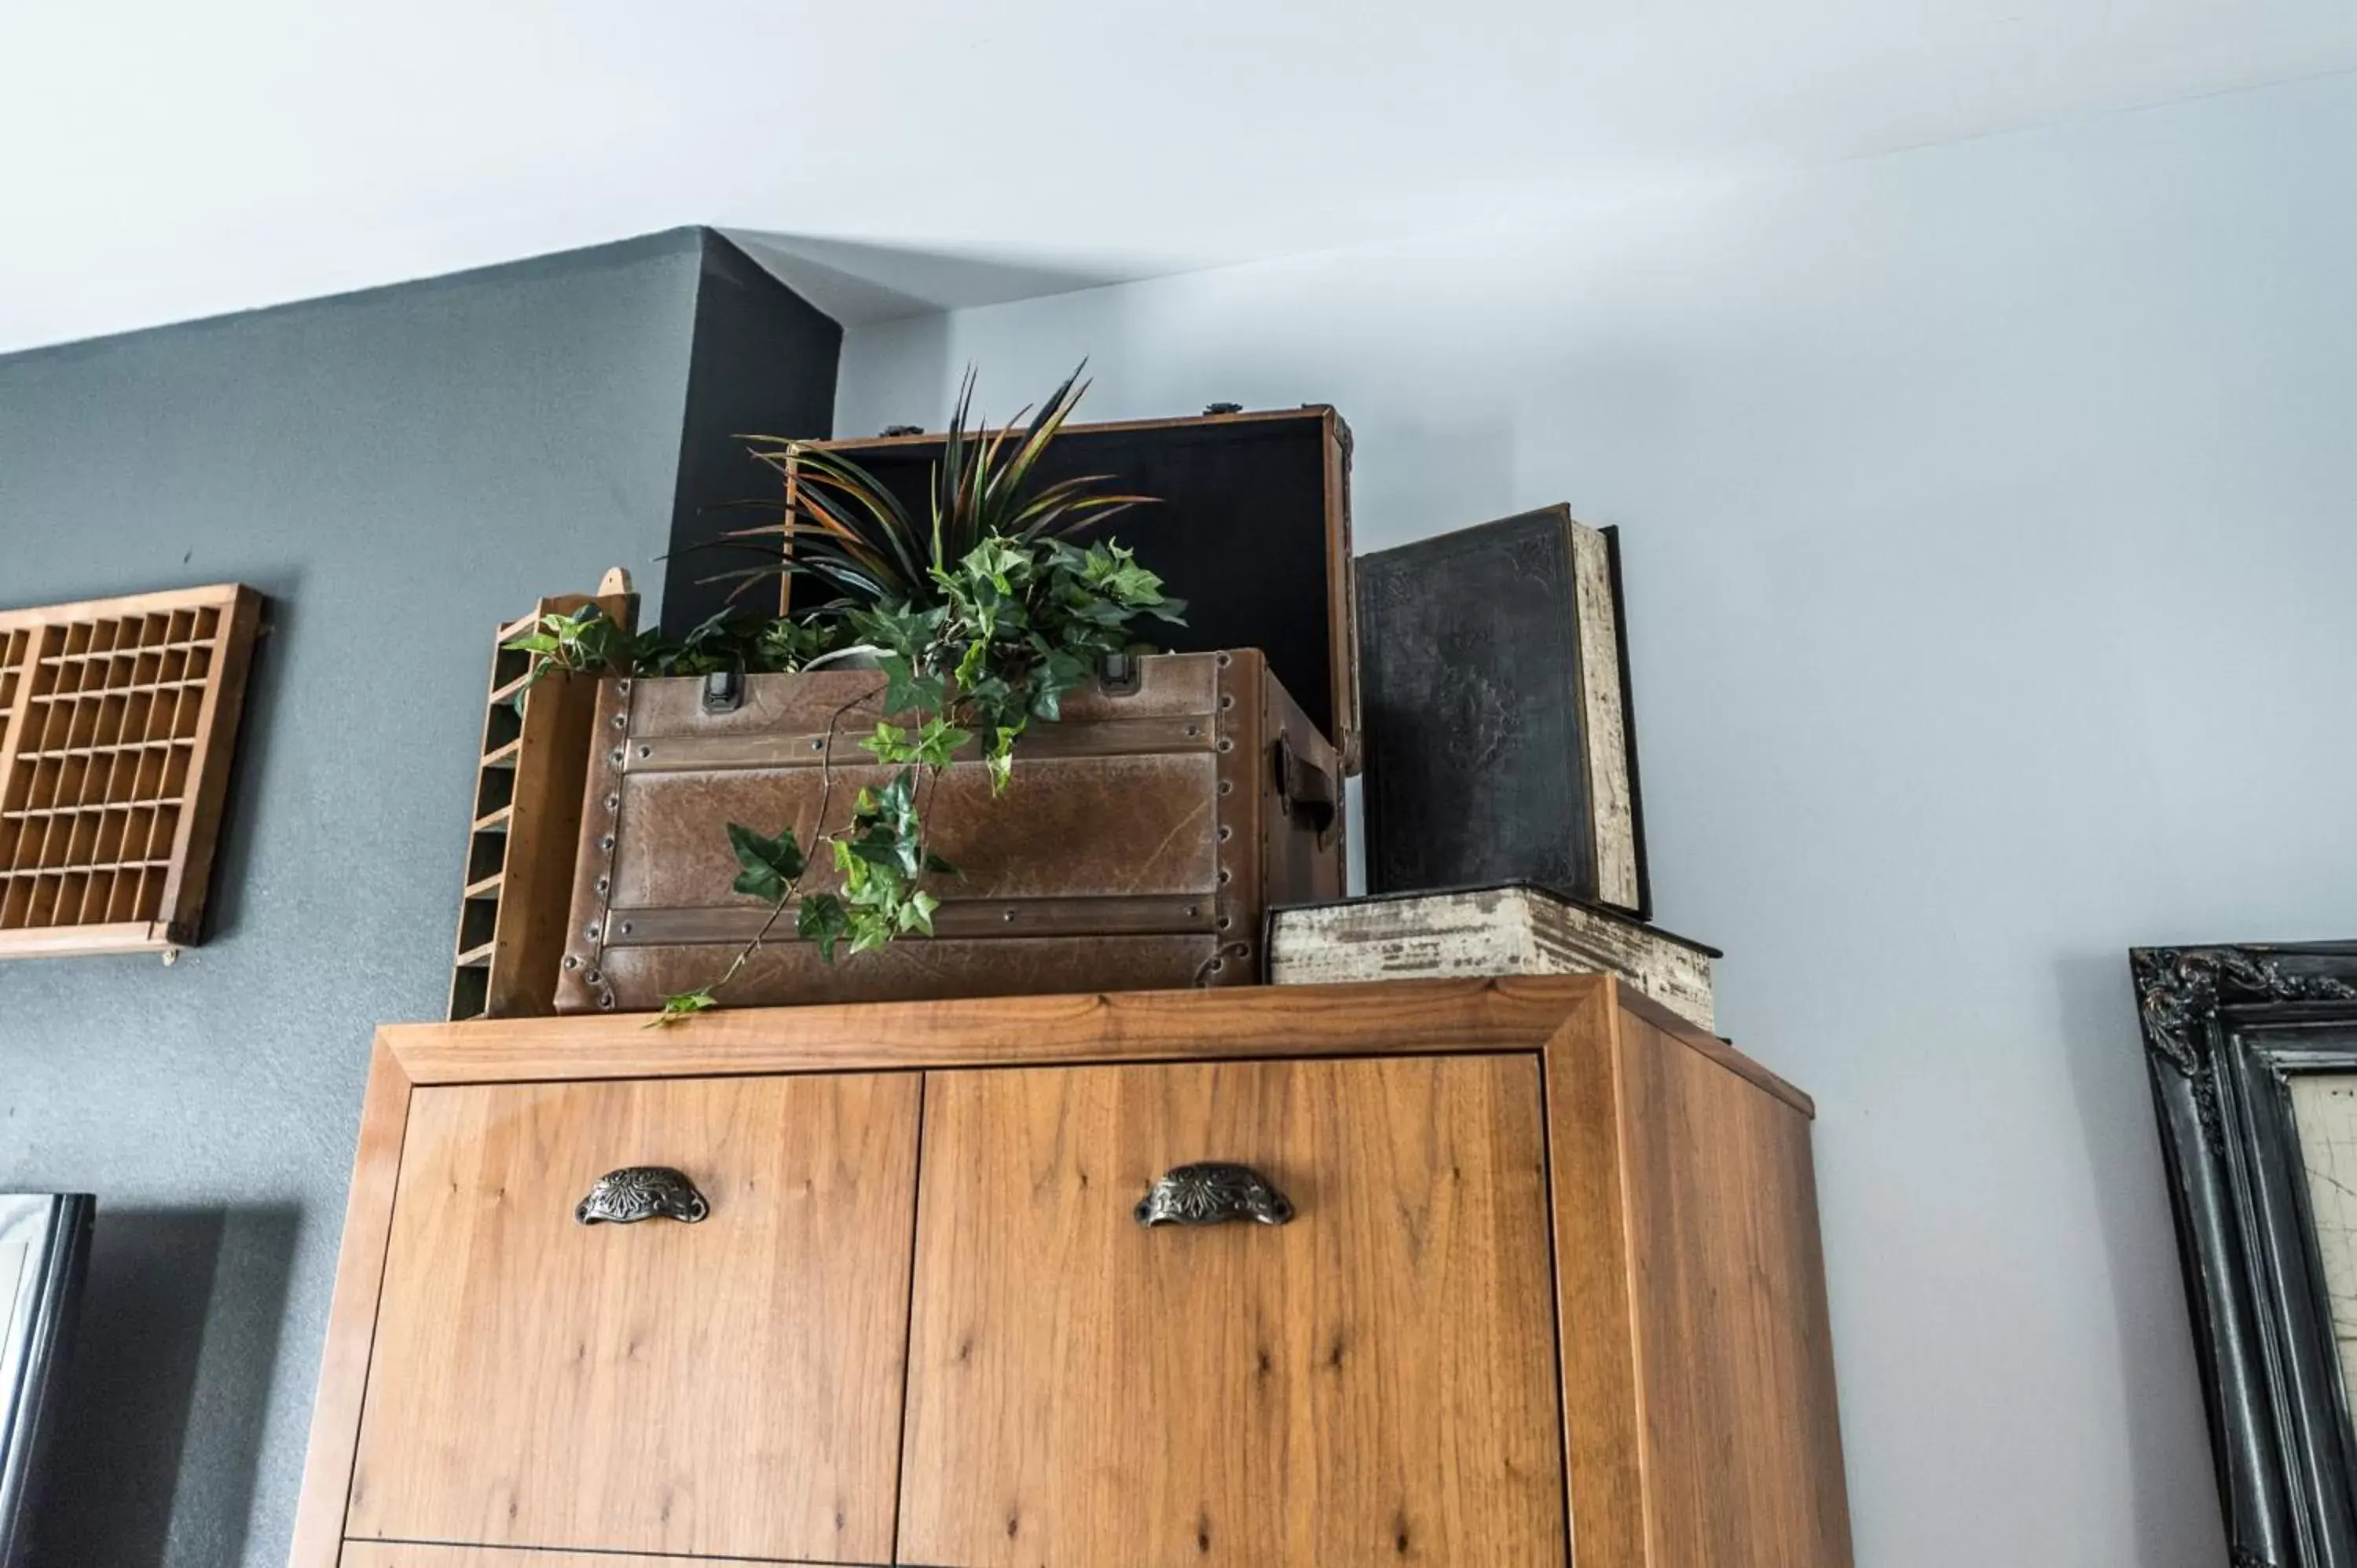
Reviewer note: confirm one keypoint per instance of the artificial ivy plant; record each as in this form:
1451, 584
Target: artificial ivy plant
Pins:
982, 615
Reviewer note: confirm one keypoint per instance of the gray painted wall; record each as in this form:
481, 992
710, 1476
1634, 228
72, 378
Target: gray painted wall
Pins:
401, 470
1987, 513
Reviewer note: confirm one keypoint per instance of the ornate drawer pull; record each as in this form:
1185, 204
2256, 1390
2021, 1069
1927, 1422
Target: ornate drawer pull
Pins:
1210, 1192
641, 1192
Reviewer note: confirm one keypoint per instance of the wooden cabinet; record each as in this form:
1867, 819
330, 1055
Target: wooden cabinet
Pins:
1544, 1276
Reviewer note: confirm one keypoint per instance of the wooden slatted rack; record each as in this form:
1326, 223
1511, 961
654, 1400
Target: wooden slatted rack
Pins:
117, 719
526, 828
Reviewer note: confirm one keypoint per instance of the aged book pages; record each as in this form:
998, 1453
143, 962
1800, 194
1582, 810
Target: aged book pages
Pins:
1486, 931
1610, 807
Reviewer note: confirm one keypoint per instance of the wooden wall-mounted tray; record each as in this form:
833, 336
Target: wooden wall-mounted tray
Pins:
117, 721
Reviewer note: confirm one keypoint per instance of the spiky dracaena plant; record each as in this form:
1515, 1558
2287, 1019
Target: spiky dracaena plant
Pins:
846, 530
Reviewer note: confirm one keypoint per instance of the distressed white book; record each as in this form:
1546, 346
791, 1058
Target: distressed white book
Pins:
1514, 930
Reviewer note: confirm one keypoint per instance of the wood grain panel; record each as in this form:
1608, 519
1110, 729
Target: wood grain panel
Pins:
1343, 607
1500, 1013
1372, 1383
352, 1318
1512, 1013
188, 879
538, 738
1742, 1442
1602, 1399
728, 1388
163, 600
435, 1555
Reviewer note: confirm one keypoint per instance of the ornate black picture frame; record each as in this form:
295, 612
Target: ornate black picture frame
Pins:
44, 1250
2228, 1031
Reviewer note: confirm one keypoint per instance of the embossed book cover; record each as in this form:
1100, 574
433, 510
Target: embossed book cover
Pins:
1500, 747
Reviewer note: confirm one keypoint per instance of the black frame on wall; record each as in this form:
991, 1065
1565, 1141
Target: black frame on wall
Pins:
2226, 1030
50, 1234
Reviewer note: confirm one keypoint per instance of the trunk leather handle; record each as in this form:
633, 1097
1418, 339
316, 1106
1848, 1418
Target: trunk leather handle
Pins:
1304, 790
724, 690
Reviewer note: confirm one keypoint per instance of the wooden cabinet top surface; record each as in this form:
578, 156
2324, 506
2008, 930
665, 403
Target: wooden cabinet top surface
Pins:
1381, 1017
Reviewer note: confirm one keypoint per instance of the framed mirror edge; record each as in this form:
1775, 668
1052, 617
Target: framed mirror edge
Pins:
2227, 1030
45, 1244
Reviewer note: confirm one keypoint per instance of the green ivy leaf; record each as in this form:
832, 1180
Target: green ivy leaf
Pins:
785, 646
999, 755
770, 864
1133, 584
905, 631
585, 642
938, 742
889, 743
869, 930
877, 847
1058, 673
997, 562
685, 1006
822, 920
908, 691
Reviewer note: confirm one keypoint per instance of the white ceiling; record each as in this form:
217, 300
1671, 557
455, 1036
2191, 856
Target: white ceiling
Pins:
161, 161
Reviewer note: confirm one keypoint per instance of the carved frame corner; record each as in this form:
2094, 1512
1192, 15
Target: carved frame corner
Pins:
2224, 1143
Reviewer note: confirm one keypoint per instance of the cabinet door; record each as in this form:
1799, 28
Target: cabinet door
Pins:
727, 1386
1372, 1382
417, 1554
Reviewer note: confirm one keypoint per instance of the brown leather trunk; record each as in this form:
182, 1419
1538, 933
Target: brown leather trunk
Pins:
1136, 847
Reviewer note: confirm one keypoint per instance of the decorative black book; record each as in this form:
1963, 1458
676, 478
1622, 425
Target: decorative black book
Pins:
1495, 677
